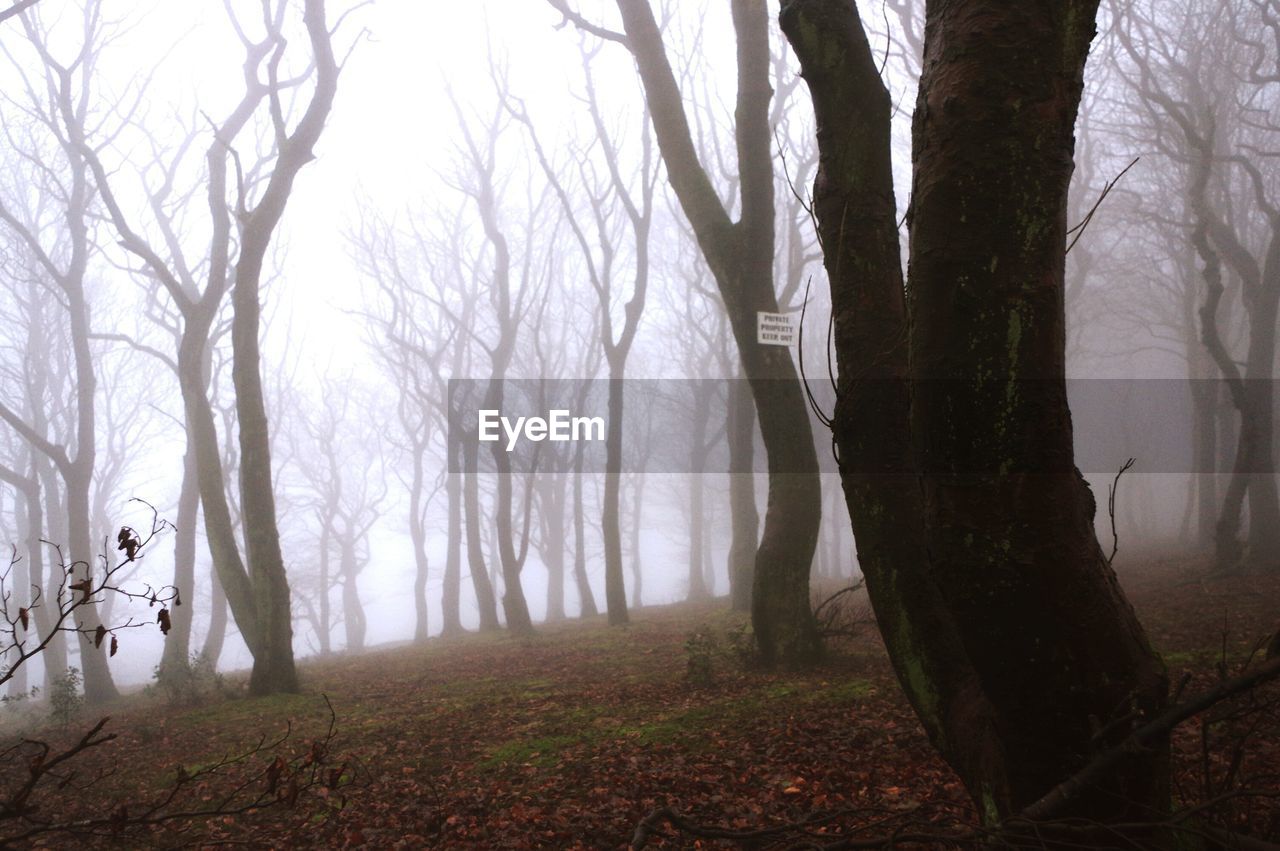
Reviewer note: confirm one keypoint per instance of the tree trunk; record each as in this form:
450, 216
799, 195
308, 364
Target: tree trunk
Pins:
553, 500
586, 599
451, 587
697, 486
324, 617
697, 579
177, 646
744, 519
1205, 402
20, 575
43, 478
740, 256
615, 587
56, 652
213, 640
1264, 502
202, 432
98, 685
514, 605
31, 575
273, 668
78, 474
485, 601
1228, 551
352, 610
418, 539
1003, 620
637, 563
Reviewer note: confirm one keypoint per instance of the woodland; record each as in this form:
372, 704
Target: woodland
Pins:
640, 424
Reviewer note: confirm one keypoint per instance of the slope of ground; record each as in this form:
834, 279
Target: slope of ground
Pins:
571, 738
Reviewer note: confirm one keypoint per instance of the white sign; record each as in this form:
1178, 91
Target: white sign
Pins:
775, 329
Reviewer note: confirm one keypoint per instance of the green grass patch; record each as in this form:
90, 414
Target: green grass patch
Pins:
277, 707
541, 751
844, 692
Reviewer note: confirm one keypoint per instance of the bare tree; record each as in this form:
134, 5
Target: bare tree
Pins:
60, 102
601, 255
1205, 80
258, 594
518, 294
422, 308
343, 466
740, 255
29, 472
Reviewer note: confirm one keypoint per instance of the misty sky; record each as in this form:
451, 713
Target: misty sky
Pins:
391, 148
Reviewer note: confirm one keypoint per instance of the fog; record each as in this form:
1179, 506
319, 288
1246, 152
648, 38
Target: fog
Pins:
485, 180
390, 207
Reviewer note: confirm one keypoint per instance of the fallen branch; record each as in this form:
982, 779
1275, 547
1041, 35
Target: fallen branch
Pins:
280, 781
1146, 736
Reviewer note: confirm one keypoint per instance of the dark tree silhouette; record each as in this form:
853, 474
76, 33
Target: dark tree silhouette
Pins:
1000, 611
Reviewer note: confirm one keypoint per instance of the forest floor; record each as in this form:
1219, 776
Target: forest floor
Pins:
570, 738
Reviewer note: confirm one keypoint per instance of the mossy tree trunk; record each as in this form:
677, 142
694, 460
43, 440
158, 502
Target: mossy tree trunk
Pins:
1002, 617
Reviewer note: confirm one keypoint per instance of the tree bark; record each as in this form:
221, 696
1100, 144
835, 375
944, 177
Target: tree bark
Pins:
29, 573
324, 615
418, 540
744, 518
273, 666
41, 478
514, 605
697, 486
485, 600
451, 592
615, 588
637, 561
352, 610
1002, 617
177, 646
217, 633
586, 599
551, 504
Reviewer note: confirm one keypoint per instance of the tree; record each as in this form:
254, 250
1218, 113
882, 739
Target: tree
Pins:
16, 9
42, 785
60, 104
257, 592
1203, 80
273, 670
30, 473
344, 469
1002, 617
604, 197
740, 255
518, 293
424, 304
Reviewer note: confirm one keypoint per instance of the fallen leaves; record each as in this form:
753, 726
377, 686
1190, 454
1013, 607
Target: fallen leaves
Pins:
569, 740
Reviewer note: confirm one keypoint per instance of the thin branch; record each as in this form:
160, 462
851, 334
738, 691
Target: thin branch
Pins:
16, 9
